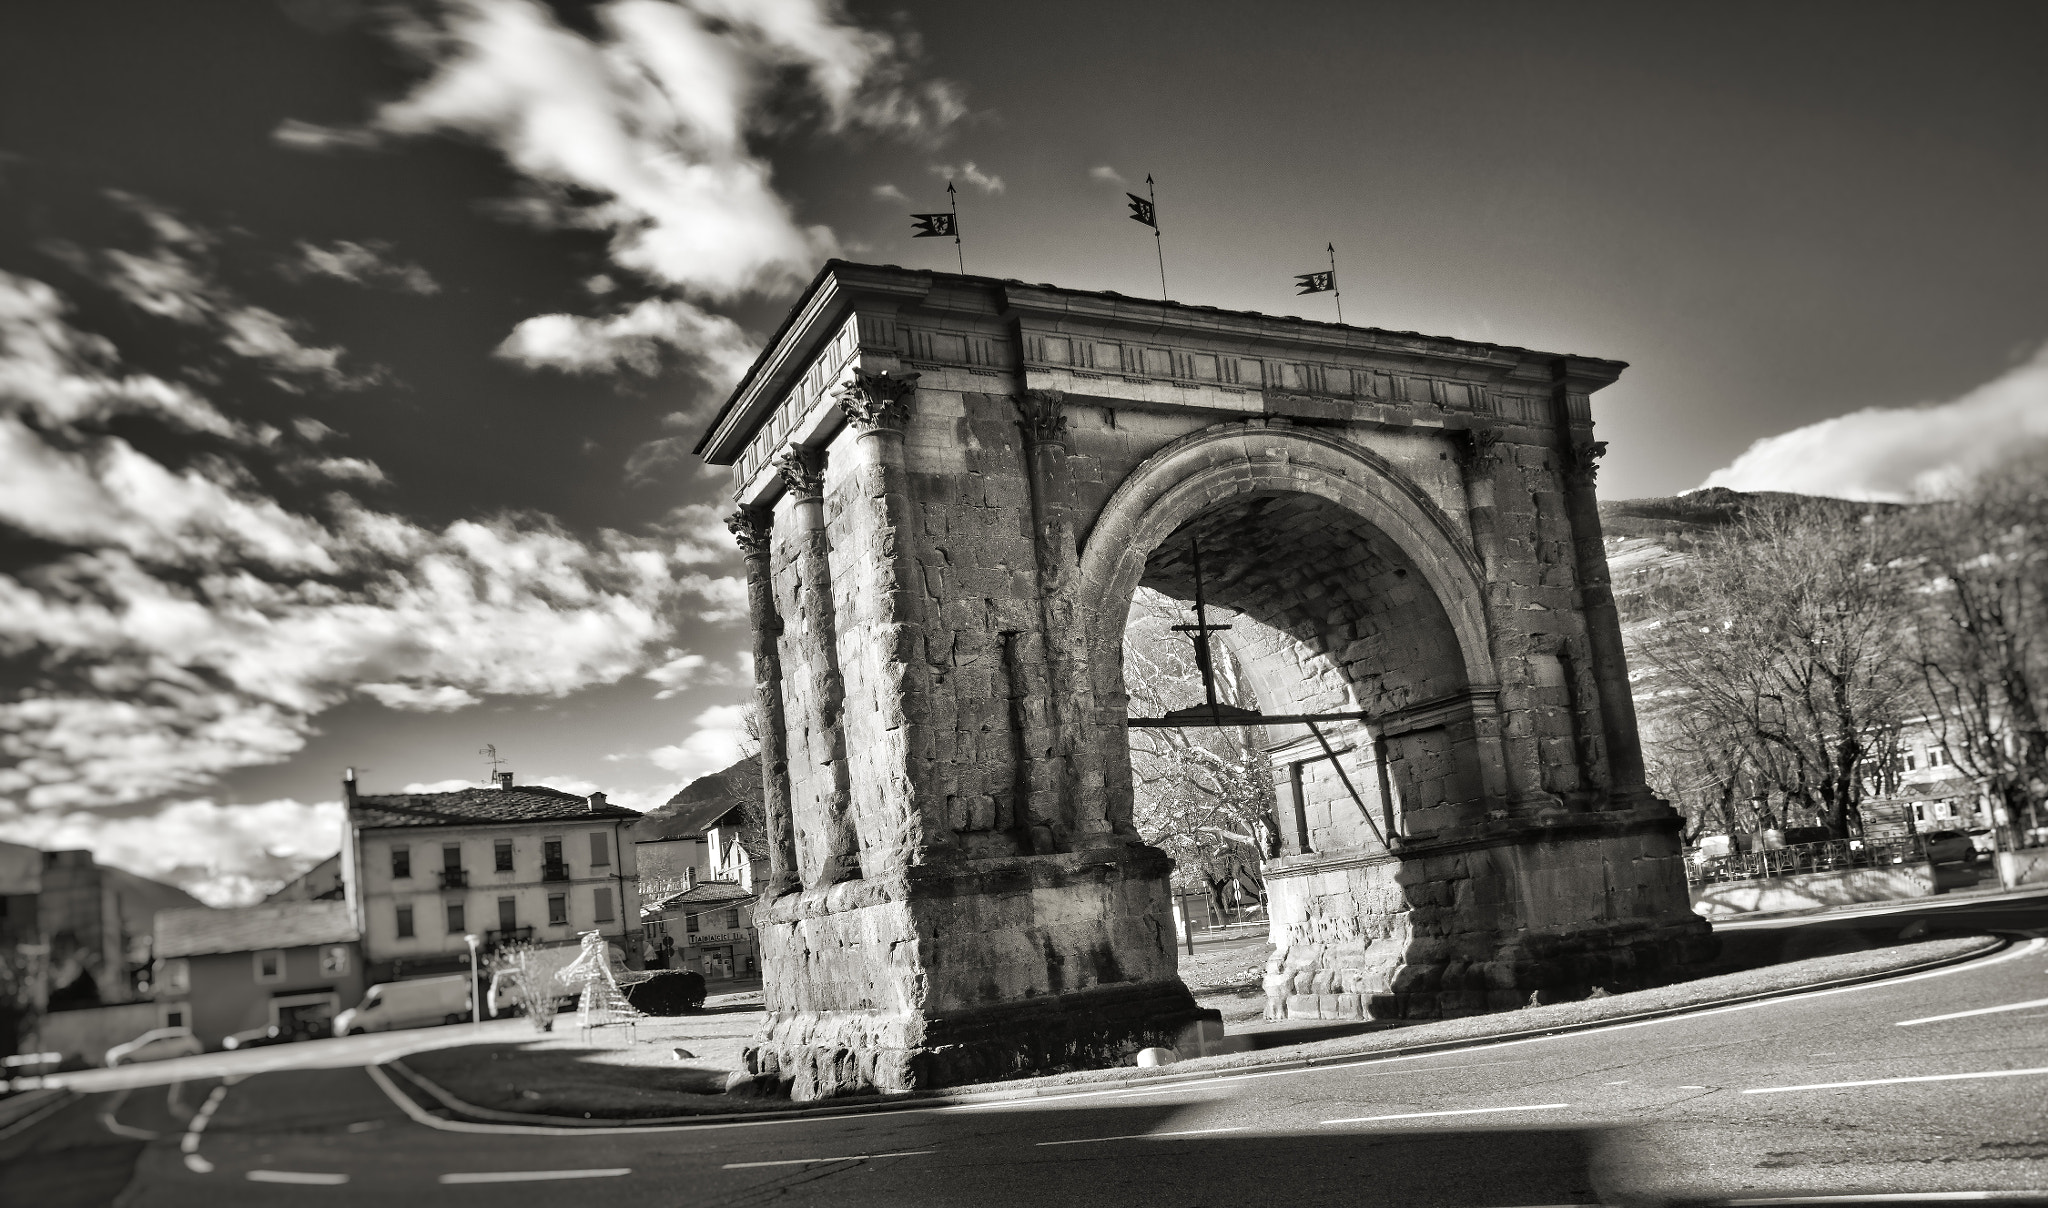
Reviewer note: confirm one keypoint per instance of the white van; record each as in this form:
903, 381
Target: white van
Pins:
408, 1004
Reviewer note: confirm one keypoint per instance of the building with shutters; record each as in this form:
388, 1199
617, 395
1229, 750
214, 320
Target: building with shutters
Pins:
511, 862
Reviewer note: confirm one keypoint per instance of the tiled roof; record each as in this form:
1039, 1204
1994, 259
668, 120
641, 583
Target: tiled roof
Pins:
480, 807
202, 932
708, 893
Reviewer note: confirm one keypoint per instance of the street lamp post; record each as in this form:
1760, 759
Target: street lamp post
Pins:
476, 1006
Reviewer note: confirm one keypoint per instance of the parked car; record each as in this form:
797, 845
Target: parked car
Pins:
157, 1044
408, 1004
1948, 847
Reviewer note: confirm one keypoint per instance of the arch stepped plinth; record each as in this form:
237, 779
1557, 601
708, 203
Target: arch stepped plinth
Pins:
948, 489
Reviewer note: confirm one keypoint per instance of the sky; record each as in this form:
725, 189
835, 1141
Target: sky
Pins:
350, 355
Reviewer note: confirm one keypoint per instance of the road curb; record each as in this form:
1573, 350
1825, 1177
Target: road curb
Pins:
448, 1102
28, 1106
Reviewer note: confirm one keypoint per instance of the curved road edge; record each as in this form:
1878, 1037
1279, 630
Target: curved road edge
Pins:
453, 1114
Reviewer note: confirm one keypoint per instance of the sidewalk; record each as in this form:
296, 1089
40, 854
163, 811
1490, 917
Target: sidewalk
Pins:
585, 1088
1983, 893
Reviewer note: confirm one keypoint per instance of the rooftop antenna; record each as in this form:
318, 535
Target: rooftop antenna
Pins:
490, 753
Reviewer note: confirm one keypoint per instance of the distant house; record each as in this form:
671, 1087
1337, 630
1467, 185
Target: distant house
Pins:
698, 835
320, 883
514, 862
97, 922
286, 963
708, 929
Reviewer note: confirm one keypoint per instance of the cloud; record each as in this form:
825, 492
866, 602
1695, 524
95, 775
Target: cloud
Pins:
363, 264
65, 377
225, 855
174, 280
192, 624
634, 338
888, 192
308, 136
1897, 453
1107, 175
717, 742
684, 670
968, 174
645, 130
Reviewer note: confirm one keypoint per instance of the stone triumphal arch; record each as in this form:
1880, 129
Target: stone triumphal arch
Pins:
949, 489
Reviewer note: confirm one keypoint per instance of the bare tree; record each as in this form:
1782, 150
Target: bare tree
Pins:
1981, 642
529, 971
1783, 646
1203, 795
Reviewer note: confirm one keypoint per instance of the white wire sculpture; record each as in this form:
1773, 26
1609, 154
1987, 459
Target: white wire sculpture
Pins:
601, 1003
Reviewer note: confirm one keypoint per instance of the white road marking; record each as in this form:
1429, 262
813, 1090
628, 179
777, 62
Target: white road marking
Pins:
853, 1157
1192, 1132
1824, 1086
2011, 1006
190, 1145
112, 1125
309, 1178
534, 1176
1893, 1197
1463, 1111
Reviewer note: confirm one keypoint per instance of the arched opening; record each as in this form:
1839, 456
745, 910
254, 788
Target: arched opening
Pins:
1327, 616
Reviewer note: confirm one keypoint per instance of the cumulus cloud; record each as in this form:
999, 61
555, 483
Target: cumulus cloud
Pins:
64, 377
968, 174
644, 130
717, 740
1897, 453
370, 264
888, 192
1107, 175
197, 624
225, 855
635, 338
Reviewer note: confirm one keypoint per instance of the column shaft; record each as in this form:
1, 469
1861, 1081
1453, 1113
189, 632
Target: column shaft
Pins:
828, 847
1520, 776
751, 530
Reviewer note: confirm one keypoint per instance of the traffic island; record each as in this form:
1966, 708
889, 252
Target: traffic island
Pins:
557, 1080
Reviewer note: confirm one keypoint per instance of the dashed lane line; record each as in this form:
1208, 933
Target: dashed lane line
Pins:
533, 1176
2011, 1006
190, 1145
854, 1157
1192, 1132
302, 1178
1463, 1111
1828, 1086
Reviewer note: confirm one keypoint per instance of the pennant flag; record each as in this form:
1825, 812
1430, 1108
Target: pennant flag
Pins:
1141, 211
1315, 283
932, 226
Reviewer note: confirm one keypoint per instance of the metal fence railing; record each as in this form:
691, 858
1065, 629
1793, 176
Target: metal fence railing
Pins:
1827, 856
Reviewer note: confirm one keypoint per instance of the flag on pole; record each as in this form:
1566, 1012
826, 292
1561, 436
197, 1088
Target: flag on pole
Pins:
935, 226
1143, 211
1315, 283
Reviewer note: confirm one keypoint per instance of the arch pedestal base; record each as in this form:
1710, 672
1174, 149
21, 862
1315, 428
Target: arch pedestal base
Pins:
973, 972
1479, 923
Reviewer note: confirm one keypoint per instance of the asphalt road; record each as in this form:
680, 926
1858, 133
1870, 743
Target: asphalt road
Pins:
1854, 1092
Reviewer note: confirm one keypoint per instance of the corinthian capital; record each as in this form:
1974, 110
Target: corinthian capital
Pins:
1476, 449
801, 471
1585, 463
874, 401
1042, 415
750, 531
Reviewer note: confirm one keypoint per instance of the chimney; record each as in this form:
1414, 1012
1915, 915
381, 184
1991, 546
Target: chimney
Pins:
594, 802
504, 779
348, 787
